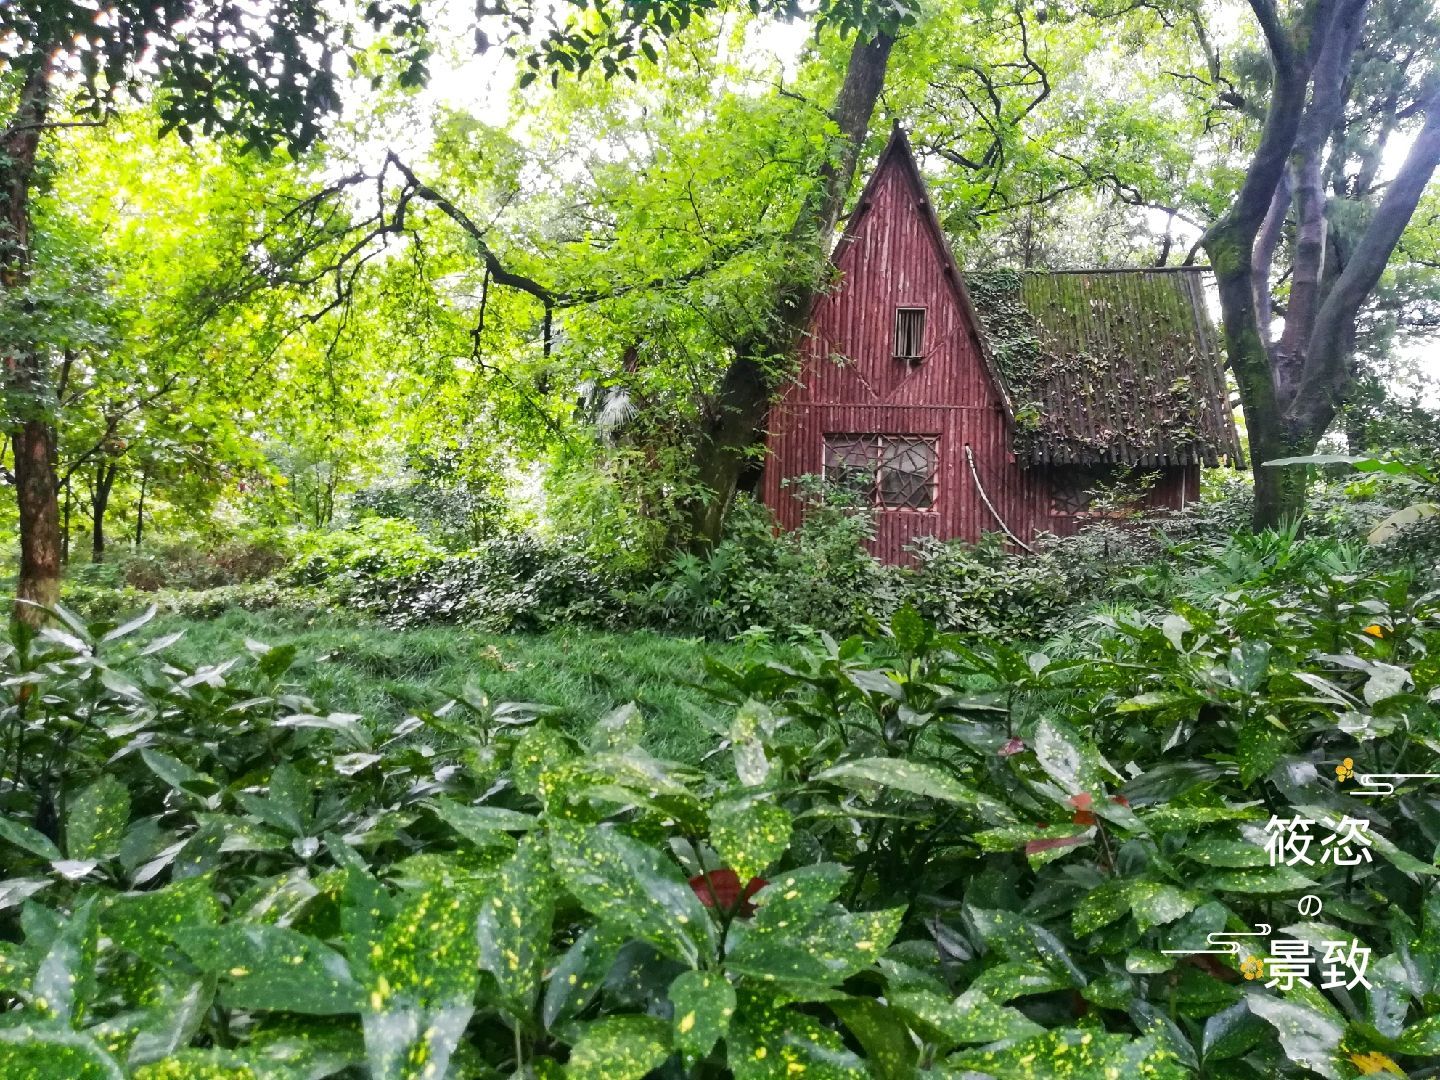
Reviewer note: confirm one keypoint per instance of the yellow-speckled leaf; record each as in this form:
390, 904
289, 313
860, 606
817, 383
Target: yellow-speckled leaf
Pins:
797, 897
274, 968
704, 1002
1070, 758
626, 884
484, 826
1100, 907
204, 1065
1021, 978
749, 835
1155, 904
918, 779
53, 1054
429, 951
420, 987
890, 1052
971, 1018
538, 749
1308, 1036
825, 953
1067, 1054
619, 1048
752, 725
513, 927
772, 1042
1421, 1038
146, 923
578, 975
96, 820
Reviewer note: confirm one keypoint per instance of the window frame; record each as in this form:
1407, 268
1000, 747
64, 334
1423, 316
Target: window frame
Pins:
841, 447
922, 316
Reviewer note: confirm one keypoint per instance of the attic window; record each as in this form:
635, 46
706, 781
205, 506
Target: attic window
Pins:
909, 333
891, 472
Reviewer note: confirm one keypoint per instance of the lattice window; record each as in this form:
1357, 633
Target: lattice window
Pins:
1072, 490
909, 333
895, 472
851, 462
907, 471
1069, 497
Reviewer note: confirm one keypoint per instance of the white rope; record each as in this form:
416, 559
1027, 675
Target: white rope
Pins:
970, 457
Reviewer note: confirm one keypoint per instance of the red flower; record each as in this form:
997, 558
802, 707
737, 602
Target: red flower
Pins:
720, 889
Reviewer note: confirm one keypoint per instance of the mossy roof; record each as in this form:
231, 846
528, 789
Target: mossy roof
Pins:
1107, 365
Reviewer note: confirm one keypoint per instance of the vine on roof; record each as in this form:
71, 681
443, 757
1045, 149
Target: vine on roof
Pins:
1151, 416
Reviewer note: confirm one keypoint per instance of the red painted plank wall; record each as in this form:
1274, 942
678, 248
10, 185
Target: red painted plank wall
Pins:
850, 383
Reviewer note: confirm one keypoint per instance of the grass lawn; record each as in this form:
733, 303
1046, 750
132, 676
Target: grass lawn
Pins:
387, 674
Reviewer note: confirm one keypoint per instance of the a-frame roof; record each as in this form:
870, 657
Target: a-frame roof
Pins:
898, 155
1091, 366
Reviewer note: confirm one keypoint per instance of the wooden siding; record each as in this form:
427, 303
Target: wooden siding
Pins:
850, 383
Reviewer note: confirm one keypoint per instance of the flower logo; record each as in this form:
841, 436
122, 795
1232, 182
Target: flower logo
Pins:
1345, 770
1252, 967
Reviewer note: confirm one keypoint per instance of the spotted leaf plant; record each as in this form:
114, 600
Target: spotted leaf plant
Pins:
912, 857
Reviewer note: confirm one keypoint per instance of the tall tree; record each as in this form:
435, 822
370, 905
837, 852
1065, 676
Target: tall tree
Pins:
219, 68
659, 272
733, 424
1292, 383
260, 73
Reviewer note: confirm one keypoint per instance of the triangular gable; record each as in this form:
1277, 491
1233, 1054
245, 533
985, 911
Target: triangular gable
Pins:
897, 153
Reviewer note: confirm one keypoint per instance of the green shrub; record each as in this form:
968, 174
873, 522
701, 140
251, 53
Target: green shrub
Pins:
514, 583
458, 502
187, 564
98, 602
818, 576
349, 560
254, 596
983, 588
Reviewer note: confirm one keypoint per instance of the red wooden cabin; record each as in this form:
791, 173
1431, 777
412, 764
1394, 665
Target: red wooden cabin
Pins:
964, 404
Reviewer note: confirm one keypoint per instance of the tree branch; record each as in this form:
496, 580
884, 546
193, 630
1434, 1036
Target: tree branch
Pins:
1262, 257
1330, 341
1327, 103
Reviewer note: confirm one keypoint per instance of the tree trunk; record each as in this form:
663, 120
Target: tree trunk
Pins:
32, 433
105, 474
36, 493
1279, 492
65, 525
140, 506
1292, 388
732, 431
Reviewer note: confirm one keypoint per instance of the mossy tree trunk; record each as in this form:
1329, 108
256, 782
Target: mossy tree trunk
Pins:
733, 425
1292, 385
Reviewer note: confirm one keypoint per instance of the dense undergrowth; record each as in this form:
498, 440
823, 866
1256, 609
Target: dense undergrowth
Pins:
758, 584
911, 854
